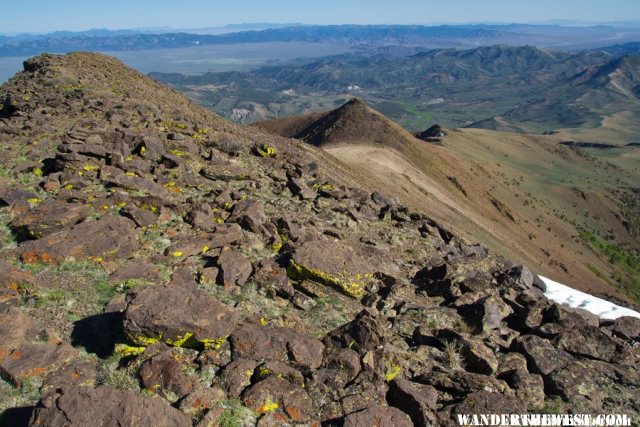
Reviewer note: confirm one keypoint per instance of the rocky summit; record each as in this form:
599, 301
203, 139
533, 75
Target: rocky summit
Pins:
161, 266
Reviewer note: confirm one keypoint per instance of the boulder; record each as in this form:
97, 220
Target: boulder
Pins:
542, 357
11, 281
34, 360
163, 374
49, 217
235, 268
82, 406
378, 415
236, 376
331, 263
178, 316
279, 395
576, 383
487, 312
626, 327
201, 400
476, 356
591, 342
484, 402
278, 344
250, 215
417, 400
16, 328
106, 239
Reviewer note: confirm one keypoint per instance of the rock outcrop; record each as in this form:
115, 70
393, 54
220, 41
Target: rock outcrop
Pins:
216, 274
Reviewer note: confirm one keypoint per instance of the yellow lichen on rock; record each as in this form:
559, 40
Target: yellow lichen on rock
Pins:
268, 406
392, 372
214, 344
124, 350
266, 151
351, 284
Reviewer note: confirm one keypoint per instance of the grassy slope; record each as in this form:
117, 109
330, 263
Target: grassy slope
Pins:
525, 196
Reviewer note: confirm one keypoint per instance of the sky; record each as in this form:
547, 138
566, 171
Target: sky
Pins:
52, 15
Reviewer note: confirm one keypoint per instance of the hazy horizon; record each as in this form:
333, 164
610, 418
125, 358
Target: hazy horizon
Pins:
74, 15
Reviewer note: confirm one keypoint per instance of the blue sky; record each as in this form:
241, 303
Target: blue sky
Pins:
49, 15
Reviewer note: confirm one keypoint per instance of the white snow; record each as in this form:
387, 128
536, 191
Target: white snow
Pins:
565, 295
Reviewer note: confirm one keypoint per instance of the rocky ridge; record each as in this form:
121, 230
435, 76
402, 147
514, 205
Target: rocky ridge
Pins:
162, 266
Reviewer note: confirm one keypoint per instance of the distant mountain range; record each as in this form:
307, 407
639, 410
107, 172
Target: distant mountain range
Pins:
498, 87
357, 35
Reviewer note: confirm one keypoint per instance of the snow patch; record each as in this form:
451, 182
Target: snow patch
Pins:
565, 295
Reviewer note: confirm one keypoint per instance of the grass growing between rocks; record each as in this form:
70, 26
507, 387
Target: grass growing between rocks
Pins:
7, 238
112, 375
13, 397
452, 356
328, 314
236, 415
252, 302
66, 293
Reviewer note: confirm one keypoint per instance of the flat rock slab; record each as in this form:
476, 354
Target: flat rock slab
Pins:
33, 360
200, 243
16, 328
279, 344
227, 172
11, 280
84, 406
484, 402
49, 217
235, 268
182, 316
331, 263
378, 415
277, 395
106, 239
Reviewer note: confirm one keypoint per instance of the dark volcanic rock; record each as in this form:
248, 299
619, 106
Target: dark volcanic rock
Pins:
417, 400
107, 238
180, 316
237, 376
364, 333
16, 328
202, 400
273, 279
250, 215
542, 357
82, 406
280, 344
332, 263
378, 415
12, 280
34, 359
49, 217
235, 268
484, 402
276, 394
163, 374
626, 327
